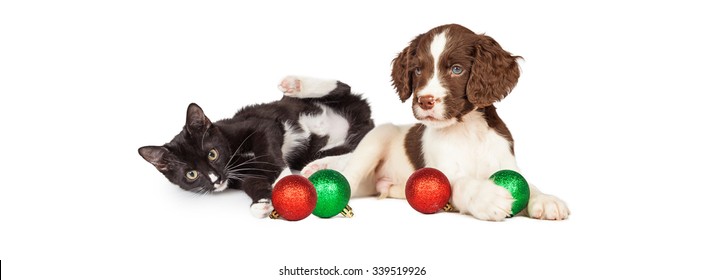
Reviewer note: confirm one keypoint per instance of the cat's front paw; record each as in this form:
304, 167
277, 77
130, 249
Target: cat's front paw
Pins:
547, 207
486, 201
290, 86
261, 208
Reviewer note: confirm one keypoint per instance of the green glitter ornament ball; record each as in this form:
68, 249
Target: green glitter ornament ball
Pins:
516, 185
333, 192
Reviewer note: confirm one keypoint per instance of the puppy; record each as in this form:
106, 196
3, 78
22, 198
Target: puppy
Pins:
453, 76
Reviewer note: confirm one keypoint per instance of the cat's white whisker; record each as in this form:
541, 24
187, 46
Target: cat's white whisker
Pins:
203, 191
251, 160
235, 178
241, 176
237, 167
240, 144
255, 169
236, 152
202, 139
197, 191
251, 176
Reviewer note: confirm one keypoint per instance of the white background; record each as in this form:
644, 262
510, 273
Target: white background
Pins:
605, 116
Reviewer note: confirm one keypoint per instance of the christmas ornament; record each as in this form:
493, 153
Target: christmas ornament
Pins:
516, 184
333, 193
428, 191
293, 198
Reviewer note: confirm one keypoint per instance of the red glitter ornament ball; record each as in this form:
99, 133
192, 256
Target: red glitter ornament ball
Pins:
428, 190
294, 197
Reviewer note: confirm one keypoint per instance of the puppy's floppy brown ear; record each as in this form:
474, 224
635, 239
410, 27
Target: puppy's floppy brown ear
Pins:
494, 73
401, 74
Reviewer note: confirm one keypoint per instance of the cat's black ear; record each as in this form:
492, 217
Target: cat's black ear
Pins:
196, 121
155, 155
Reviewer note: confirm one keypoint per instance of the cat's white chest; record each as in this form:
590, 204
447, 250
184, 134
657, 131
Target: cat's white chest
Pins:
292, 138
328, 123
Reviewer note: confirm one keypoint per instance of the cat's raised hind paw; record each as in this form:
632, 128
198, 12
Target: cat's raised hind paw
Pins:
306, 87
290, 86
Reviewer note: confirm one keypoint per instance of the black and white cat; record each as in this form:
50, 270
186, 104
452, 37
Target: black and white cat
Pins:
315, 118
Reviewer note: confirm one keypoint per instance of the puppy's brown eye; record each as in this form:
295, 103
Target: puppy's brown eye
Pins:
418, 71
457, 70
213, 155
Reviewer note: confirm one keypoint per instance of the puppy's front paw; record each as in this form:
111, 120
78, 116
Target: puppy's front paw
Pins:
290, 86
489, 202
547, 207
332, 162
261, 208
313, 167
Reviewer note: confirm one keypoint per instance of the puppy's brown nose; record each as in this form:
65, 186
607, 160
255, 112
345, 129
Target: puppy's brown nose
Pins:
426, 102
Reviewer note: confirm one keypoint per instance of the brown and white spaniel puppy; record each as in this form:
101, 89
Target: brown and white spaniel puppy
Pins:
453, 77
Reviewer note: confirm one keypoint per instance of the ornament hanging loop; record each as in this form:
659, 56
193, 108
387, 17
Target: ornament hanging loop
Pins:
347, 212
274, 215
448, 207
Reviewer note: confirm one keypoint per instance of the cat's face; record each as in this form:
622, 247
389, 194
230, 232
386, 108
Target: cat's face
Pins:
178, 161
224, 155
183, 160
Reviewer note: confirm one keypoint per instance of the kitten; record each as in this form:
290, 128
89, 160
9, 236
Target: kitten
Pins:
260, 143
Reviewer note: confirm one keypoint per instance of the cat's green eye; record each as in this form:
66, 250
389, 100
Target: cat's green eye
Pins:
213, 155
192, 175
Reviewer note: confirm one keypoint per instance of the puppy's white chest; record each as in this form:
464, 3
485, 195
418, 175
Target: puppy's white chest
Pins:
466, 149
